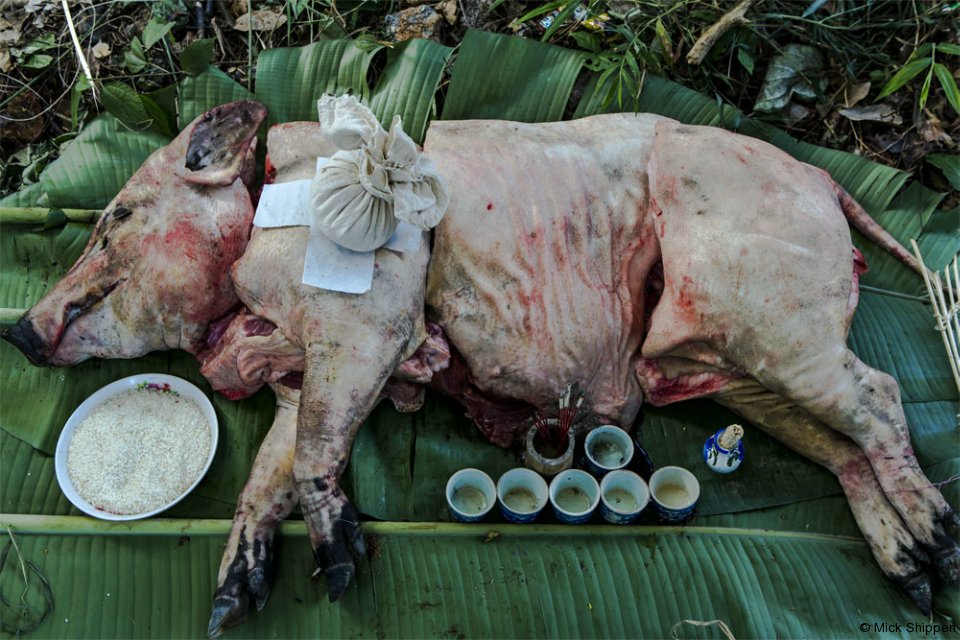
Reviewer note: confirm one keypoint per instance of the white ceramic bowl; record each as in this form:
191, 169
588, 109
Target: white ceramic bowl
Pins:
130, 383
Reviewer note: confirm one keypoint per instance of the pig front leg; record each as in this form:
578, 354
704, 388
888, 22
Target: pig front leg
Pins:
345, 373
246, 571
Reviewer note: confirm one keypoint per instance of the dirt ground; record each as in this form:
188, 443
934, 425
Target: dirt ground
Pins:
817, 68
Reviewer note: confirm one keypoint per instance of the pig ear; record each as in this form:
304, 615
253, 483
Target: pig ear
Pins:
220, 142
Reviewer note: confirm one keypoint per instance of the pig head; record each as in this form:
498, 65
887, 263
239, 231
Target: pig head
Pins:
156, 270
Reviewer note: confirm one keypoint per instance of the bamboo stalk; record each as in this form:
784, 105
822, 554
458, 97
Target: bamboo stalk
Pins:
25, 524
10, 316
39, 215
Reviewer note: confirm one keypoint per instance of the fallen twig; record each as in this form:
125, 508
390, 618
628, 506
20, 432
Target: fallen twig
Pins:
715, 31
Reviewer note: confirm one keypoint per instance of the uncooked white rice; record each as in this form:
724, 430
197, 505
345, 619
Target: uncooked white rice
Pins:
138, 450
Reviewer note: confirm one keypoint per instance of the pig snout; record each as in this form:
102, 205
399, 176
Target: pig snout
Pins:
41, 332
23, 337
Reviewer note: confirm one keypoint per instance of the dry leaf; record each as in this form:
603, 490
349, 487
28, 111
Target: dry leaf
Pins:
448, 9
883, 113
794, 113
855, 93
931, 131
260, 20
101, 50
5, 64
9, 33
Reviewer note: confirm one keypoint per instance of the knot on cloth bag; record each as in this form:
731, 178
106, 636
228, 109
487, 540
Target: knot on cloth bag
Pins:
375, 180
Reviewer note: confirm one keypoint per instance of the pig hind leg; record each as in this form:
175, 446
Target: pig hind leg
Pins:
839, 390
896, 550
246, 571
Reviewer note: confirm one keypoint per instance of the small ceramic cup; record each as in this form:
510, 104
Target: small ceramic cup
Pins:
574, 495
522, 494
470, 495
623, 496
674, 492
607, 448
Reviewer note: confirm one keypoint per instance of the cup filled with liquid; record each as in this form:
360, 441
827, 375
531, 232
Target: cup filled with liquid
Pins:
623, 496
608, 447
674, 492
522, 494
471, 495
574, 495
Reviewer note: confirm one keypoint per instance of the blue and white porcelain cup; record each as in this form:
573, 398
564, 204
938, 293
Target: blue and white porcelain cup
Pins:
471, 495
574, 495
623, 496
674, 492
608, 447
522, 494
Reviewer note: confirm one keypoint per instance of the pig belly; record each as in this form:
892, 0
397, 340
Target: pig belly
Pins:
538, 268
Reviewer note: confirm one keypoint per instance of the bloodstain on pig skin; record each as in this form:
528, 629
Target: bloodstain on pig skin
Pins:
684, 298
489, 206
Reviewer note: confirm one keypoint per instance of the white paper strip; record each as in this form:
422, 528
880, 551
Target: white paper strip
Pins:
286, 204
406, 238
329, 266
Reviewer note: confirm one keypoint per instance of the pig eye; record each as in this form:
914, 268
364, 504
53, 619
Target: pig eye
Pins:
121, 212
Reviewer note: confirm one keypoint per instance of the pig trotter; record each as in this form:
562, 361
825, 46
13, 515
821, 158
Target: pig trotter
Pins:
244, 588
231, 601
247, 568
946, 552
917, 586
24, 338
338, 533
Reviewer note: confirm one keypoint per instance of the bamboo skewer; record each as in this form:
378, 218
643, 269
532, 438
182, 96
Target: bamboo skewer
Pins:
79, 48
946, 314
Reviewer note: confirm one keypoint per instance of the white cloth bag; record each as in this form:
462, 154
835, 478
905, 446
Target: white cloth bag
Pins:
376, 179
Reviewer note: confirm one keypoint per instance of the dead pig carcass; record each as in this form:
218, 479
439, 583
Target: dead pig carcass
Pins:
635, 256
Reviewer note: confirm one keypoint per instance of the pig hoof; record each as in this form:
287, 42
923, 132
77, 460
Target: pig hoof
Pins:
917, 586
945, 551
334, 558
229, 610
946, 559
244, 588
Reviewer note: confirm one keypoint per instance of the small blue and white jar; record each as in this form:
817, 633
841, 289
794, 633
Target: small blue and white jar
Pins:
723, 451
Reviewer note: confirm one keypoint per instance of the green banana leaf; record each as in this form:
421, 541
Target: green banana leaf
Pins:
510, 79
291, 80
207, 90
774, 550
432, 581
